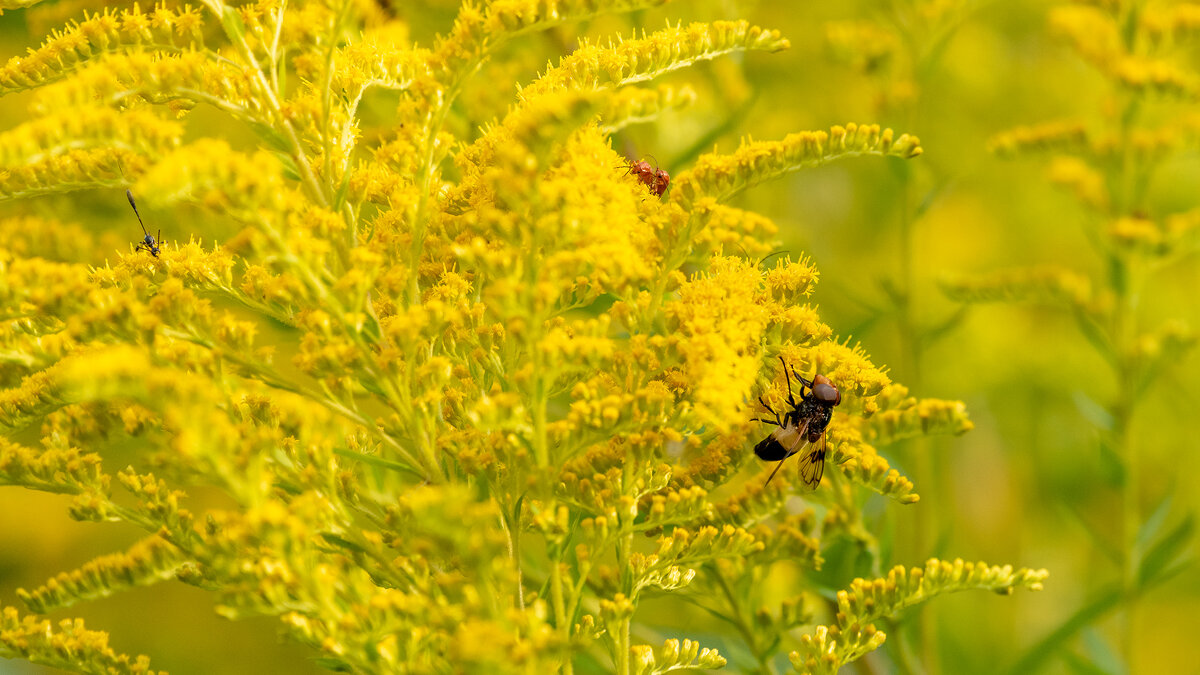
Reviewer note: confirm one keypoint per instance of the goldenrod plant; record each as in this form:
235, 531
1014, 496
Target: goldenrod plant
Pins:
1110, 161
899, 51
444, 398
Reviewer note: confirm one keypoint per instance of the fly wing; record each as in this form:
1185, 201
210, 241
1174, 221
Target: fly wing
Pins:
812, 464
791, 438
781, 444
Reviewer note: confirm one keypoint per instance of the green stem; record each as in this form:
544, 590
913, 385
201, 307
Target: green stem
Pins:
739, 622
561, 617
296, 149
1125, 333
918, 448
624, 554
514, 551
623, 647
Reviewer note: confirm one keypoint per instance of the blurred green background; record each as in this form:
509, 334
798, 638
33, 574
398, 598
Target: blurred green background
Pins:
1031, 485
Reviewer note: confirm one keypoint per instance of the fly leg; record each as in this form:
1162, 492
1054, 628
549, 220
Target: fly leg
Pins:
777, 421
775, 471
804, 382
790, 399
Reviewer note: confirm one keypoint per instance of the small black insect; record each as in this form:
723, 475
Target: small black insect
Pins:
801, 427
149, 243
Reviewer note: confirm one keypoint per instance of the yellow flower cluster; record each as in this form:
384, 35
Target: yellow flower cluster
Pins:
827, 649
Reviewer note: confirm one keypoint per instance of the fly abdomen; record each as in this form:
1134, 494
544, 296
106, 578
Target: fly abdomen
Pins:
770, 450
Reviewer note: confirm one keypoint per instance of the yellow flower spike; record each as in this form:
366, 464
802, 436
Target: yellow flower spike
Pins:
178, 80
1171, 24
868, 600
860, 463
1050, 285
60, 55
1067, 136
66, 171
69, 646
799, 325
149, 561
790, 541
137, 130
1093, 33
674, 655
1086, 183
1155, 76
374, 63
502, 164
1136, 235
34, 237
66, 470
723, 176
207, 169
863, 45
636, 105
640, 59
722, 230
926, 417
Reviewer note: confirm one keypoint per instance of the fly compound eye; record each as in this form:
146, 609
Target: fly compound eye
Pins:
825, 391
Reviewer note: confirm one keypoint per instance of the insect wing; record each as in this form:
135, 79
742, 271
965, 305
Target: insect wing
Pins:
812, 464
780, 444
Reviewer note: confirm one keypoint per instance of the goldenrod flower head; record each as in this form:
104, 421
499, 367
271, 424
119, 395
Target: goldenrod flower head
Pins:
1084, 181
1059, 136
1093, 32
864, 45
719, 318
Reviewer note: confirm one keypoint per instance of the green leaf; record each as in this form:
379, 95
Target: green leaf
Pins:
1037, 655
342, 542
1092, 411
376, 461
272, 138
1099, 541
1101, 653
1082, 666
332, 664
940, 330
290, 171
1160, 555
1095, 335
1153, 525
235, 30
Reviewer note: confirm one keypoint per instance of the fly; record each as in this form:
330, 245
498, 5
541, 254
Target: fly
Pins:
801, 429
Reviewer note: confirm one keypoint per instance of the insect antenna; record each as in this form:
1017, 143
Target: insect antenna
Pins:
772, 255
764, 258
129, 194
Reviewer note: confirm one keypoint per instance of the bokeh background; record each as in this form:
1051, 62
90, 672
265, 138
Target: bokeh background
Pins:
1032, 485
